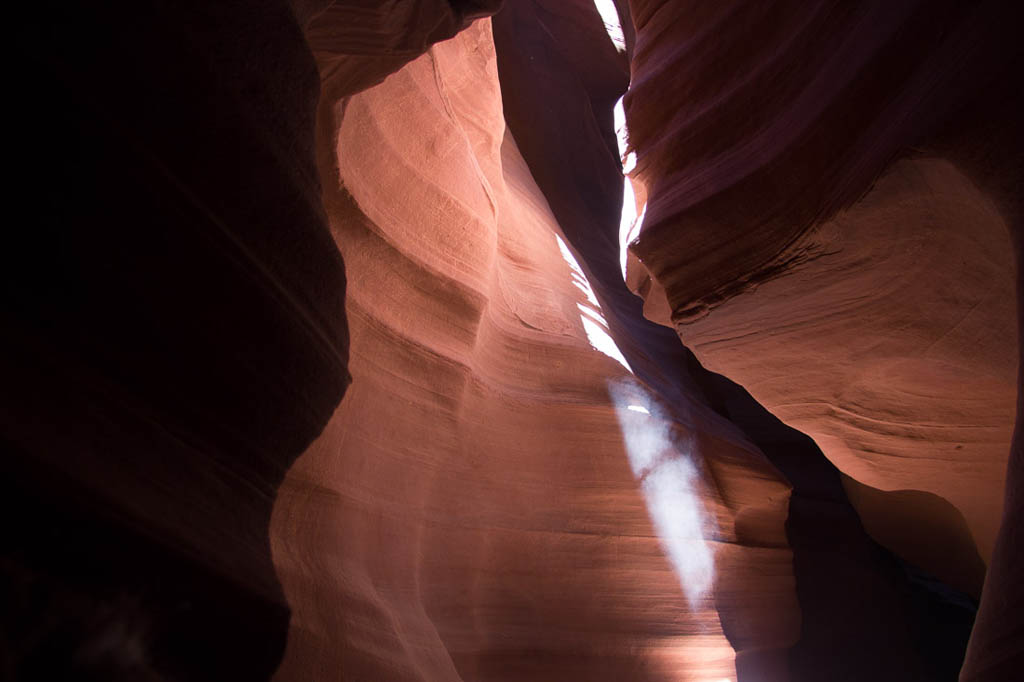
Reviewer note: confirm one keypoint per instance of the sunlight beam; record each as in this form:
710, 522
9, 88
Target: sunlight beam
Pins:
669, 479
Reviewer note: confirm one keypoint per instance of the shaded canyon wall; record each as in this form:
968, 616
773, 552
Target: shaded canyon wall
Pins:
834, 206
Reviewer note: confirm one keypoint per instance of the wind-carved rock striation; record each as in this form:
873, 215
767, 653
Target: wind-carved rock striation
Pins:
470, 511
832, 219
238, 209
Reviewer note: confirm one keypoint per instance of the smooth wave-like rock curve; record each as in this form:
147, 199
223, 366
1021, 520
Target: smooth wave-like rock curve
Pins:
470, 512
528, 480
547, 73
895, 349
869, 302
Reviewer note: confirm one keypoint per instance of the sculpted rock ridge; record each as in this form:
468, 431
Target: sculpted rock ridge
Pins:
836, 226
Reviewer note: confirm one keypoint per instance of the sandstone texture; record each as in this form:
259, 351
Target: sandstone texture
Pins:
833, 220
319, 363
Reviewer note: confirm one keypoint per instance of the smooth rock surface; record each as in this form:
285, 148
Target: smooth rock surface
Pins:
895, 348
470, 511
498, 497
833, 216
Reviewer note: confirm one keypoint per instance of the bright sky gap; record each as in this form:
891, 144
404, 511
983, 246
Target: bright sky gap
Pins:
611, 23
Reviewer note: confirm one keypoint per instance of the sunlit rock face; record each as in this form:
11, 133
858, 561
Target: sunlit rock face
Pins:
833, 206
473, 511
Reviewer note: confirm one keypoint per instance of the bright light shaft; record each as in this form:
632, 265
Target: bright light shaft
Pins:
610, 16
602, 341
622, 137
594, 324
629, 222
669, 481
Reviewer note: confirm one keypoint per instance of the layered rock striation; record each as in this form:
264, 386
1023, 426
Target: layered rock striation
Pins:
471, 511
529, 476
832, 219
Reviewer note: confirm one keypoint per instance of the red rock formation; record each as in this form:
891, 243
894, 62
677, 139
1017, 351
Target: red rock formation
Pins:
496, 498
469, 512
358, 43
895, 348
881, 325
821, 526
171, 336
509, 539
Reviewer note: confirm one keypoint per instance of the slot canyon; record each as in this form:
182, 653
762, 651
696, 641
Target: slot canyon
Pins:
514, 340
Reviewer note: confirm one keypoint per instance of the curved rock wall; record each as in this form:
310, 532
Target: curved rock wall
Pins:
546, 74
170, 336
470, 511
755, 123
499, 496
869, 303
896, 348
